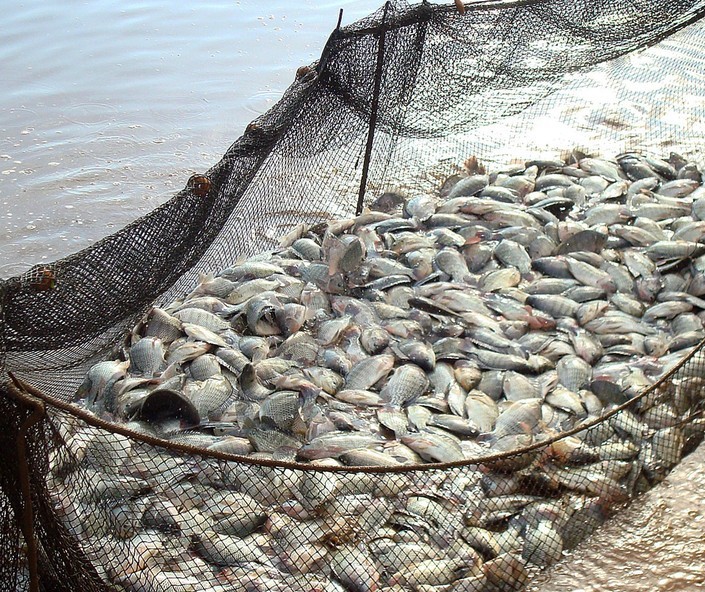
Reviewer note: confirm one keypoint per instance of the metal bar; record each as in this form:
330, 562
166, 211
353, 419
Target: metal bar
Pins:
379, 71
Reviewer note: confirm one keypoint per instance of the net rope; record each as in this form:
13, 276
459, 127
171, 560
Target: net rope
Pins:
396, 102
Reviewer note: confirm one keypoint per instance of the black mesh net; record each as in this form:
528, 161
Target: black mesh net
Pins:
567, 132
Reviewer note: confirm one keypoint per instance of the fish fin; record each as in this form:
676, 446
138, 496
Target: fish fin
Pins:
333, 250
249, 424
84, 390
486, 438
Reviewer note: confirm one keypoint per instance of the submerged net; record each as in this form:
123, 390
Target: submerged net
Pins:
396, 103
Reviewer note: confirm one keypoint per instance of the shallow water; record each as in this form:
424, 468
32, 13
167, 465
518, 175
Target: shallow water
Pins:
656, 544
108, 107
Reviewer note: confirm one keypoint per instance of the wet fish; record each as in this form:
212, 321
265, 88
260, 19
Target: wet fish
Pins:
493, 315
221, 549
197, 316
98, 384
407, 383
434, 446
147, 357
334, 444
355, 568
369, 371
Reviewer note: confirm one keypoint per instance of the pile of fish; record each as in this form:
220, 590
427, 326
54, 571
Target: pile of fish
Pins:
507, 309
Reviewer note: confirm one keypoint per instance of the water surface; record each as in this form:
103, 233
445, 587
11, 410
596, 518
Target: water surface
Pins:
656, 544
109, 106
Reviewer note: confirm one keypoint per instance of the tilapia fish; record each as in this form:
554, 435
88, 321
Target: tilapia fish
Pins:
511, 307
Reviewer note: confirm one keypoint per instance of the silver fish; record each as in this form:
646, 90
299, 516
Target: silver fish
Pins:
590, 276
334, 444
392, 418
513, 254
519, 417
555, 305
360, 397
281, 408
209, 396
199, 333
251, 386
197, 316
162, 325
354, 567
433, 446
221, 549
147, 357
407, 383
481, 410
98, 384
543, 544
250, 270
369, 371
365, 457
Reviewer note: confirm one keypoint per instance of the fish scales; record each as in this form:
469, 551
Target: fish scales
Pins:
407, 383
368, 371
524, 302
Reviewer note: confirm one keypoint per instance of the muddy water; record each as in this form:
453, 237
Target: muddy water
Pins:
108, 107
657, 544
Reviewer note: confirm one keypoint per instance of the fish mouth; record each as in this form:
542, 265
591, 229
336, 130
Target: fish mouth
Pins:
163, 404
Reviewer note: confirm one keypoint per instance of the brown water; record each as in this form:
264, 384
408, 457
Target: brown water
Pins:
655, 545
109, 106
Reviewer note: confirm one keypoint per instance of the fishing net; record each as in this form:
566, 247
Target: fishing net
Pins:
395, 105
